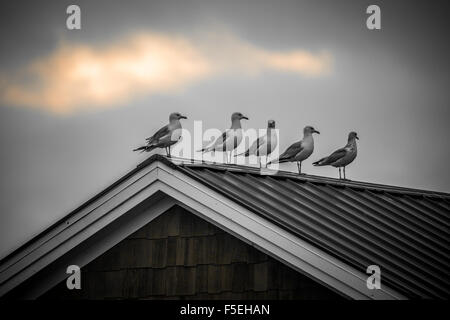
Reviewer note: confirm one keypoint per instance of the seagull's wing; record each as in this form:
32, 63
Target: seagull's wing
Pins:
220, 141
256, 146
259, 144
163, 132
335, 156
291, 151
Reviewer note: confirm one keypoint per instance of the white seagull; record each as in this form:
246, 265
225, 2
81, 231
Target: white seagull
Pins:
341, 157
300, 150
166, 136
265, 145
230, 139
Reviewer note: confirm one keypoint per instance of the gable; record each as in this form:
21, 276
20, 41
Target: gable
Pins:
180, 256
141, 196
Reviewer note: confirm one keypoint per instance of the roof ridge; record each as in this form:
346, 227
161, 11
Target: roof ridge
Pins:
192, 163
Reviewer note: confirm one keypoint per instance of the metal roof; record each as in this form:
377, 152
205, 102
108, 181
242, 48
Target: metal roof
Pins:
403, 231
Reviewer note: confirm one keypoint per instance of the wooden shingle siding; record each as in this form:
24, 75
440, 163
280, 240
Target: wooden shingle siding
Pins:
180, 256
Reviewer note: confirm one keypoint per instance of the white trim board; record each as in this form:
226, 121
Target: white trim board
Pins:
179, 189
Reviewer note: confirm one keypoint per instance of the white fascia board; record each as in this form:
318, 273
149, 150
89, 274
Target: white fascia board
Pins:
202, 201
84, 224
75, 219
269, 238
102, 244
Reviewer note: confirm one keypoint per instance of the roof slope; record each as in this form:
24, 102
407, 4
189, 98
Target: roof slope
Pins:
404, 231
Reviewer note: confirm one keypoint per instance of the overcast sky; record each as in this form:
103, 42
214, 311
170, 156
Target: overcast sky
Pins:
74, 103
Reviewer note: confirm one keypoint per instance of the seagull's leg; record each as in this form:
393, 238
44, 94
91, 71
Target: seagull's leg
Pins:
344, 174
169, 151
339, 172
300, 167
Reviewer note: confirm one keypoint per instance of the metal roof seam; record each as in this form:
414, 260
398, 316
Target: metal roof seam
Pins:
369, 225
221, 179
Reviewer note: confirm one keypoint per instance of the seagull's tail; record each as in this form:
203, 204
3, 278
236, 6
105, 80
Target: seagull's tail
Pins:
206, 149
140, 148
145, 148
279, 160
276, 161
245, 154
321, 162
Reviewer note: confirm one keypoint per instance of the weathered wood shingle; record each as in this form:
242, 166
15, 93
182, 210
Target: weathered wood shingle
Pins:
180, 256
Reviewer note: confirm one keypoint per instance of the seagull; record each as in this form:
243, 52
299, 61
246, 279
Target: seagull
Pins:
166, 136
230, 139
300, 150
265, 145
341, 157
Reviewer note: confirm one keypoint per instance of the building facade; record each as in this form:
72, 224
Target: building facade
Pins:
175, 230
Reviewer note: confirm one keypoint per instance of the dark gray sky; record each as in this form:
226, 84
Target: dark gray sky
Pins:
62, 141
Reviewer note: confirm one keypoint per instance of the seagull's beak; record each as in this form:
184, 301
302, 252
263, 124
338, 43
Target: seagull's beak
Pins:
244, 117
315, 131
183, 117
357, 137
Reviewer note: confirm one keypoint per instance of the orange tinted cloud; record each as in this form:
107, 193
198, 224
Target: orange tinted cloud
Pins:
76, 77
79, 76
229, 53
